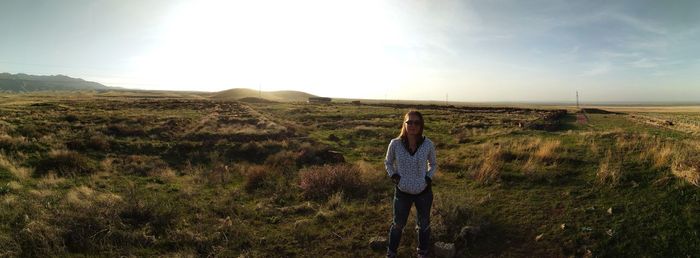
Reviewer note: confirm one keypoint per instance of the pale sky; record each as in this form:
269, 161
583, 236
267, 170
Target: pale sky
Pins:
481, 50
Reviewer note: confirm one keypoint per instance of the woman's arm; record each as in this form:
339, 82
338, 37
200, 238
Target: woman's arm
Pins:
389, 160
432, 163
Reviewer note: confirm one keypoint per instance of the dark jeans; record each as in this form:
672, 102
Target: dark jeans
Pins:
402, 207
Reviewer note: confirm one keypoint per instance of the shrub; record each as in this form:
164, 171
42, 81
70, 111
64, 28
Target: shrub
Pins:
449, 216
13, 170
9, 143
322, 181
258, 177
89, 220
143, 165
283, 161
66, 163
39, 239
318, 155
124, 130
30, 131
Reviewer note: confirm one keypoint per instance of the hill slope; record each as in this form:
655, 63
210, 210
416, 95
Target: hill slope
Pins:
25, 83
239, 93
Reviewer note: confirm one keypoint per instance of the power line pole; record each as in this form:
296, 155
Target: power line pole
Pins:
577, 107
446, 99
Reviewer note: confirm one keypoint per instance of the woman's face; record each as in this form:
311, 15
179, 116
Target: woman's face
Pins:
413, 125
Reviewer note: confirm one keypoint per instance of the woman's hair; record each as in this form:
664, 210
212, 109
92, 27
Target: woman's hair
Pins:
403, 134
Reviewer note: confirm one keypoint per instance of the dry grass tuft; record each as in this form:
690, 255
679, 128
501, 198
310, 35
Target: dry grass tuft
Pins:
489, 171
542, 152
547, 151
610, 170
11, 166
83, 197
686, 168
662, 156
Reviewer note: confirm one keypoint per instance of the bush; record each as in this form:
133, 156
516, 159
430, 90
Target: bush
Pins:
318, 155
323, 181
258, 177
39, 239
124, 130
66, 163
30, 131
284, 161
142, 165
89, 220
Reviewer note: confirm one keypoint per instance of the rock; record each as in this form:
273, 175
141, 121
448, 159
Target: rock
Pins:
444, 250
539, 237
378, 243
610, 210
610, 232
468, 235
297, 209
334, 138
302, 223
563, 226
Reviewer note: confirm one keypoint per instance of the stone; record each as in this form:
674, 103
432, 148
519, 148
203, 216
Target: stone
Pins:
539, 237
444, 250
610, 210
563, 226
297, 209
334, 138
467, 235
302, 223
378, 243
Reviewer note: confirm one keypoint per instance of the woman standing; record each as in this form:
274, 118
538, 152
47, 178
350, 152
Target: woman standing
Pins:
410, 162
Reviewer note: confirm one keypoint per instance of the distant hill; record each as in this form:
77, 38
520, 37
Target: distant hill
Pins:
237, 94
25, 83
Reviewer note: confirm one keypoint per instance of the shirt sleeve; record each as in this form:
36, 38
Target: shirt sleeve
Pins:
432, 162
389, 160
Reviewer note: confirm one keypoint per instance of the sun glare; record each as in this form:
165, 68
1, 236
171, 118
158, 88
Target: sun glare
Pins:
323, 47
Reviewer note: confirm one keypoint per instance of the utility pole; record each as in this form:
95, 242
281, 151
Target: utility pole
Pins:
577, 107
446, 99
259, 90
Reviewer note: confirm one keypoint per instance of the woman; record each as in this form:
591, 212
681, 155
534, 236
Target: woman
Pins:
410, 162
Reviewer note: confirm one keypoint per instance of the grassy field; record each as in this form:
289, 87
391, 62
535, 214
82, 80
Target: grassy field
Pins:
173, 175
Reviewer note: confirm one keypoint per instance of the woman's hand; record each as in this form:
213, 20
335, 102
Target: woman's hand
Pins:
396, 178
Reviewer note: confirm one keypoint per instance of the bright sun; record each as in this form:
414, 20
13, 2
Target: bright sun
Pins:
331, 48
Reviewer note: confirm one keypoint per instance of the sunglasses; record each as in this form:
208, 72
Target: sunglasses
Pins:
413, 122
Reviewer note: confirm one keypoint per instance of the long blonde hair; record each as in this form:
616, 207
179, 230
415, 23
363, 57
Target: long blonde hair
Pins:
403, 135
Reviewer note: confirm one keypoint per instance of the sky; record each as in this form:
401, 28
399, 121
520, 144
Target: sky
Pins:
475, 51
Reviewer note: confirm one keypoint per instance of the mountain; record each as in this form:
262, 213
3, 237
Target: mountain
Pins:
240, 93
24, 83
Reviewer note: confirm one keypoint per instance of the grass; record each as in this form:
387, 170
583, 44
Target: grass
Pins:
182, 176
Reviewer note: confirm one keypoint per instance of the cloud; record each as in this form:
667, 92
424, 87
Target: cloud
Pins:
598, 69
644, 63
639, 24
